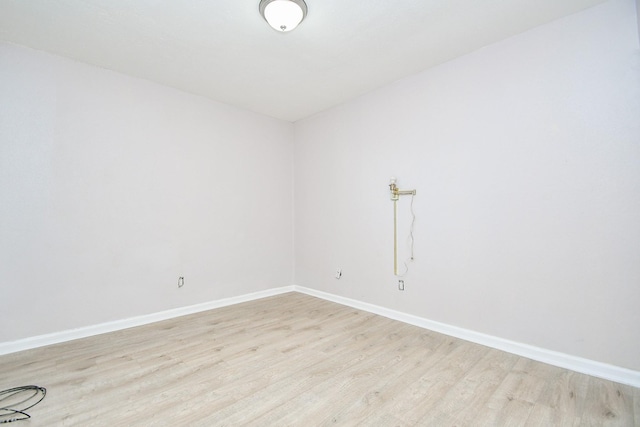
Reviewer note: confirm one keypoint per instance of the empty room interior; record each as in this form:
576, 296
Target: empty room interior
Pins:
408, 213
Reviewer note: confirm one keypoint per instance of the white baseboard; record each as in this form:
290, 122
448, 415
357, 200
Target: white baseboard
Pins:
562, 360
88, 331
577, 364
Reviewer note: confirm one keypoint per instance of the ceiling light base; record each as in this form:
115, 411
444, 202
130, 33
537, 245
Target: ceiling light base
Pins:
283, 15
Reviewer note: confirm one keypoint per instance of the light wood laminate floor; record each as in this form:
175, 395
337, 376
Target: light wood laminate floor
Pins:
295, 360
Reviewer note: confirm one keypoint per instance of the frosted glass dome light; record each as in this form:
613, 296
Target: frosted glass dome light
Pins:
283, 15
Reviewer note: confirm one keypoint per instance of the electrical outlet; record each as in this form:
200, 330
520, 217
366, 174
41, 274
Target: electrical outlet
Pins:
401, 285
180, 281
338, 273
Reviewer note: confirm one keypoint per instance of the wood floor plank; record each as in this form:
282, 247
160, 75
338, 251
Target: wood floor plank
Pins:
468, 398
317, 370
425, 397
636, 406
515, 397
609, 404
296, 360
562, 402
355, 391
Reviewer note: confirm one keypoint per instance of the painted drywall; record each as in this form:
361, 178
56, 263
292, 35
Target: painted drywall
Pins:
638, 15
113, 187
526, 160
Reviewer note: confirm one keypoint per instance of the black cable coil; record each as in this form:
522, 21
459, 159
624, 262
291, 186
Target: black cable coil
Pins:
15, 401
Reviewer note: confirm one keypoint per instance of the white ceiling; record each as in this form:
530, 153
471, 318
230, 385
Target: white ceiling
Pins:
224, 50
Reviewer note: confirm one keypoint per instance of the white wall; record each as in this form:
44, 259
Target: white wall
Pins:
638, 15
112, 187
526, 160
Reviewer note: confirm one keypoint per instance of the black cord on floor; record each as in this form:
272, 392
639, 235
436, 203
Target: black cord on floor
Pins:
15, 401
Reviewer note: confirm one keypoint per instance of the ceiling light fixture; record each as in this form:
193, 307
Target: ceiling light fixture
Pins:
283, 15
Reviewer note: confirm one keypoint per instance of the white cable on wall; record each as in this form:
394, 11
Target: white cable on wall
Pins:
410, 238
